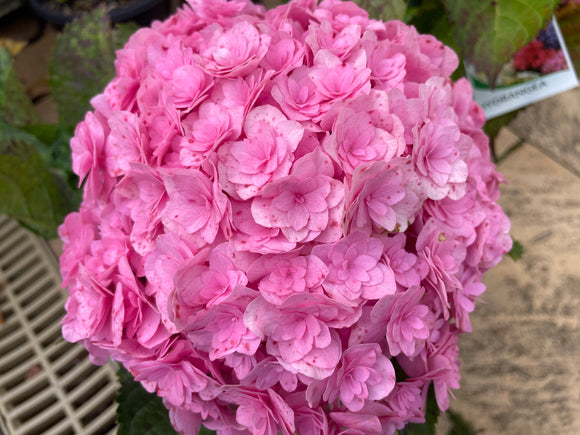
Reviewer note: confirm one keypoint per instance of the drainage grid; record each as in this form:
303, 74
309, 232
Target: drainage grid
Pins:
47, 385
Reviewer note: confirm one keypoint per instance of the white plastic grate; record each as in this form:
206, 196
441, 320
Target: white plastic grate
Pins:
47, 385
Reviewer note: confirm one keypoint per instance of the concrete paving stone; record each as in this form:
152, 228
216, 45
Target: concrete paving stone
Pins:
20, 25
552, 126
32, 62
47, 110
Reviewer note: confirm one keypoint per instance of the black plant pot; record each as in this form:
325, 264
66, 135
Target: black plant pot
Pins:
141, 11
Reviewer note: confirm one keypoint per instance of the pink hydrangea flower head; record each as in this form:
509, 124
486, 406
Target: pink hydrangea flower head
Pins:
87, 144
235, 51
308, 420
444, 365
221, 10
296, 95
336, 80
466, 297
219, 329
408, 322
205, 280
285, 54
407, 401
264, 156
378, 200
205, 131
263, 413
189, 85
355, 141
341, 14
556, 62
250, 236
77, 233
387, 65
492, 236
438, 161
305, 205
339, 43
268, 373
161, 267
300, 207
409, 269
355, 269
191, 194
278, 206
470, 115
142, 195
88, 157
443, 250
174, 374
184, 421
285, 275
300, 332
365, 374
89, 310
438, 364
133, 317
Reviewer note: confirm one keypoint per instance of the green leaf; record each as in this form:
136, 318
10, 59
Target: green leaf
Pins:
271, 4
55, 147
122, 32
384, 9
517, 251
143, 413
489, 32
45, 133
459, 426
205, 431
492, 128
400, 374
494, 125
82, 64
423, 14
140, 412
431, 416
52, 143
29, 191
15, 106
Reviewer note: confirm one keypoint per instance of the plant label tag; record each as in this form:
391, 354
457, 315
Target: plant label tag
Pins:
540, 69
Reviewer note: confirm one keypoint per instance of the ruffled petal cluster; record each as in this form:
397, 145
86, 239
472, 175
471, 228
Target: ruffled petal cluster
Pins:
280, 207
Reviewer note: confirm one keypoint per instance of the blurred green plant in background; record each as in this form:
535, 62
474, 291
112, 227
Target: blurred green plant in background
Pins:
37, 185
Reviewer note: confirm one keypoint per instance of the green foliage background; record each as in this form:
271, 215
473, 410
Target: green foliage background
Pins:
37, 185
